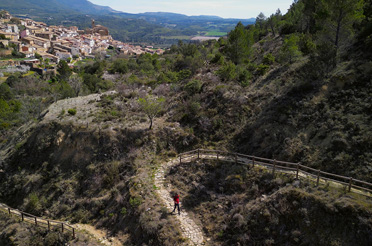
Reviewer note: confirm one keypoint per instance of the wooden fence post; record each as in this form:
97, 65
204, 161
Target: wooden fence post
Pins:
350, 183
274, 167
62, 227
35, 221
180, 159
73, 232
22, 216
198, 154
252, 161
298, 167
48, 225
317, 179
9, 211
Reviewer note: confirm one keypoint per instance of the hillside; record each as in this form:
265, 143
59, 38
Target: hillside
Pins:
288, 88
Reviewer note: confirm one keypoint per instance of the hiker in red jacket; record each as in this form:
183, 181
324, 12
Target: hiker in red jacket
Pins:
176, 199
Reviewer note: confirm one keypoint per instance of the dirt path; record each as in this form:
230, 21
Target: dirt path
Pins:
189, 229
98, 235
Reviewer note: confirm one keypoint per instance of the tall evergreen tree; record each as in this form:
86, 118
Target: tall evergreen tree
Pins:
239, 44
342, 15
64, 70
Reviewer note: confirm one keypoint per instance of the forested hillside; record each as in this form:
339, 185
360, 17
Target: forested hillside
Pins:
294, 87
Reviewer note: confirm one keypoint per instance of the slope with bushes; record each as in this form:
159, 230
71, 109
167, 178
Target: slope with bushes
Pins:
239, 205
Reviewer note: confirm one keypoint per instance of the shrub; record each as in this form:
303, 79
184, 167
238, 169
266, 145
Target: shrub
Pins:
194, 86
111, 173
244, 76
62, 112
269, 59
262, 69
123, 211
227, 72
218, 59
135, 201
72, 111
34, 204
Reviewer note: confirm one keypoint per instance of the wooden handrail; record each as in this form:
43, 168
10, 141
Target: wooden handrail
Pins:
297, 168
38, 220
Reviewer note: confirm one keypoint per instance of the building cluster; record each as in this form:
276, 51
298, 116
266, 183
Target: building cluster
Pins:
36, 39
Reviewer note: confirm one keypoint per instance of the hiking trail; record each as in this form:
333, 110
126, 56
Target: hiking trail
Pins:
189, 228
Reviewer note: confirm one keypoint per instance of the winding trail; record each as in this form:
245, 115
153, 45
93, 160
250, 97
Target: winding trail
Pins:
189, 228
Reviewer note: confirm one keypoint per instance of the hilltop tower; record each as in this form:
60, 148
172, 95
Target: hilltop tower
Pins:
93, 24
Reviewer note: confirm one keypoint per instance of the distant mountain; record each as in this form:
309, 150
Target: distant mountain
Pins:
53, 6
161, 17
87, 6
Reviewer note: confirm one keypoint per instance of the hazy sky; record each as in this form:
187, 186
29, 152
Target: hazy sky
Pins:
223, 8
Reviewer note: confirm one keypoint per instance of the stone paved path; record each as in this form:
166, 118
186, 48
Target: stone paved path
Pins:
189, 229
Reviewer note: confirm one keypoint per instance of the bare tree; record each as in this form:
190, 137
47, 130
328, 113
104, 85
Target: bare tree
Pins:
76, 83
151, 107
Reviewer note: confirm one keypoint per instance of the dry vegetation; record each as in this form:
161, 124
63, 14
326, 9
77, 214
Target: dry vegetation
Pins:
241, 206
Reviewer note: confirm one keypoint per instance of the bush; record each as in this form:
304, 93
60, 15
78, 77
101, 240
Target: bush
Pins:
244, 76
34, 205
262, 69
72, 111
111, 175
218, 59
135, 201
123, 211
269, 59
194, 86
227, 72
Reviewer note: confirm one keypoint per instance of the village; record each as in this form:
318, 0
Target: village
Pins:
25, 44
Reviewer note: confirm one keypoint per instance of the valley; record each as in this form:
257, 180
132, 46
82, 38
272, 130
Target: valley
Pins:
161, 29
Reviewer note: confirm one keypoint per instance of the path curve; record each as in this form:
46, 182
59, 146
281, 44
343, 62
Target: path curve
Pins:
189, 228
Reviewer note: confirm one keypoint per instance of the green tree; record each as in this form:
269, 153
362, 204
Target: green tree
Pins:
293, 21
273, 23
64, 70
261, 21
91, 81
227, 72
193, 87
5, 92
119, 66
151, 107
98, 68
290, 48
239, 44
342, 15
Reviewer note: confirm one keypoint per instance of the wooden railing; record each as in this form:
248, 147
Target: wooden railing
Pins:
293, 168
50, 224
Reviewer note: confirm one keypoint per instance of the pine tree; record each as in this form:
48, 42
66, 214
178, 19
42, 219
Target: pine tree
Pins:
239, 44
342, 15
290, 49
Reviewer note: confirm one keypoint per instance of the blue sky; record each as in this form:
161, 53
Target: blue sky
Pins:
223, 8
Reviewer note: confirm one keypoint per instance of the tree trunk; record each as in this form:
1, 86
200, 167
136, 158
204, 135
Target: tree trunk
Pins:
339, 20
150, 123
272, 29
